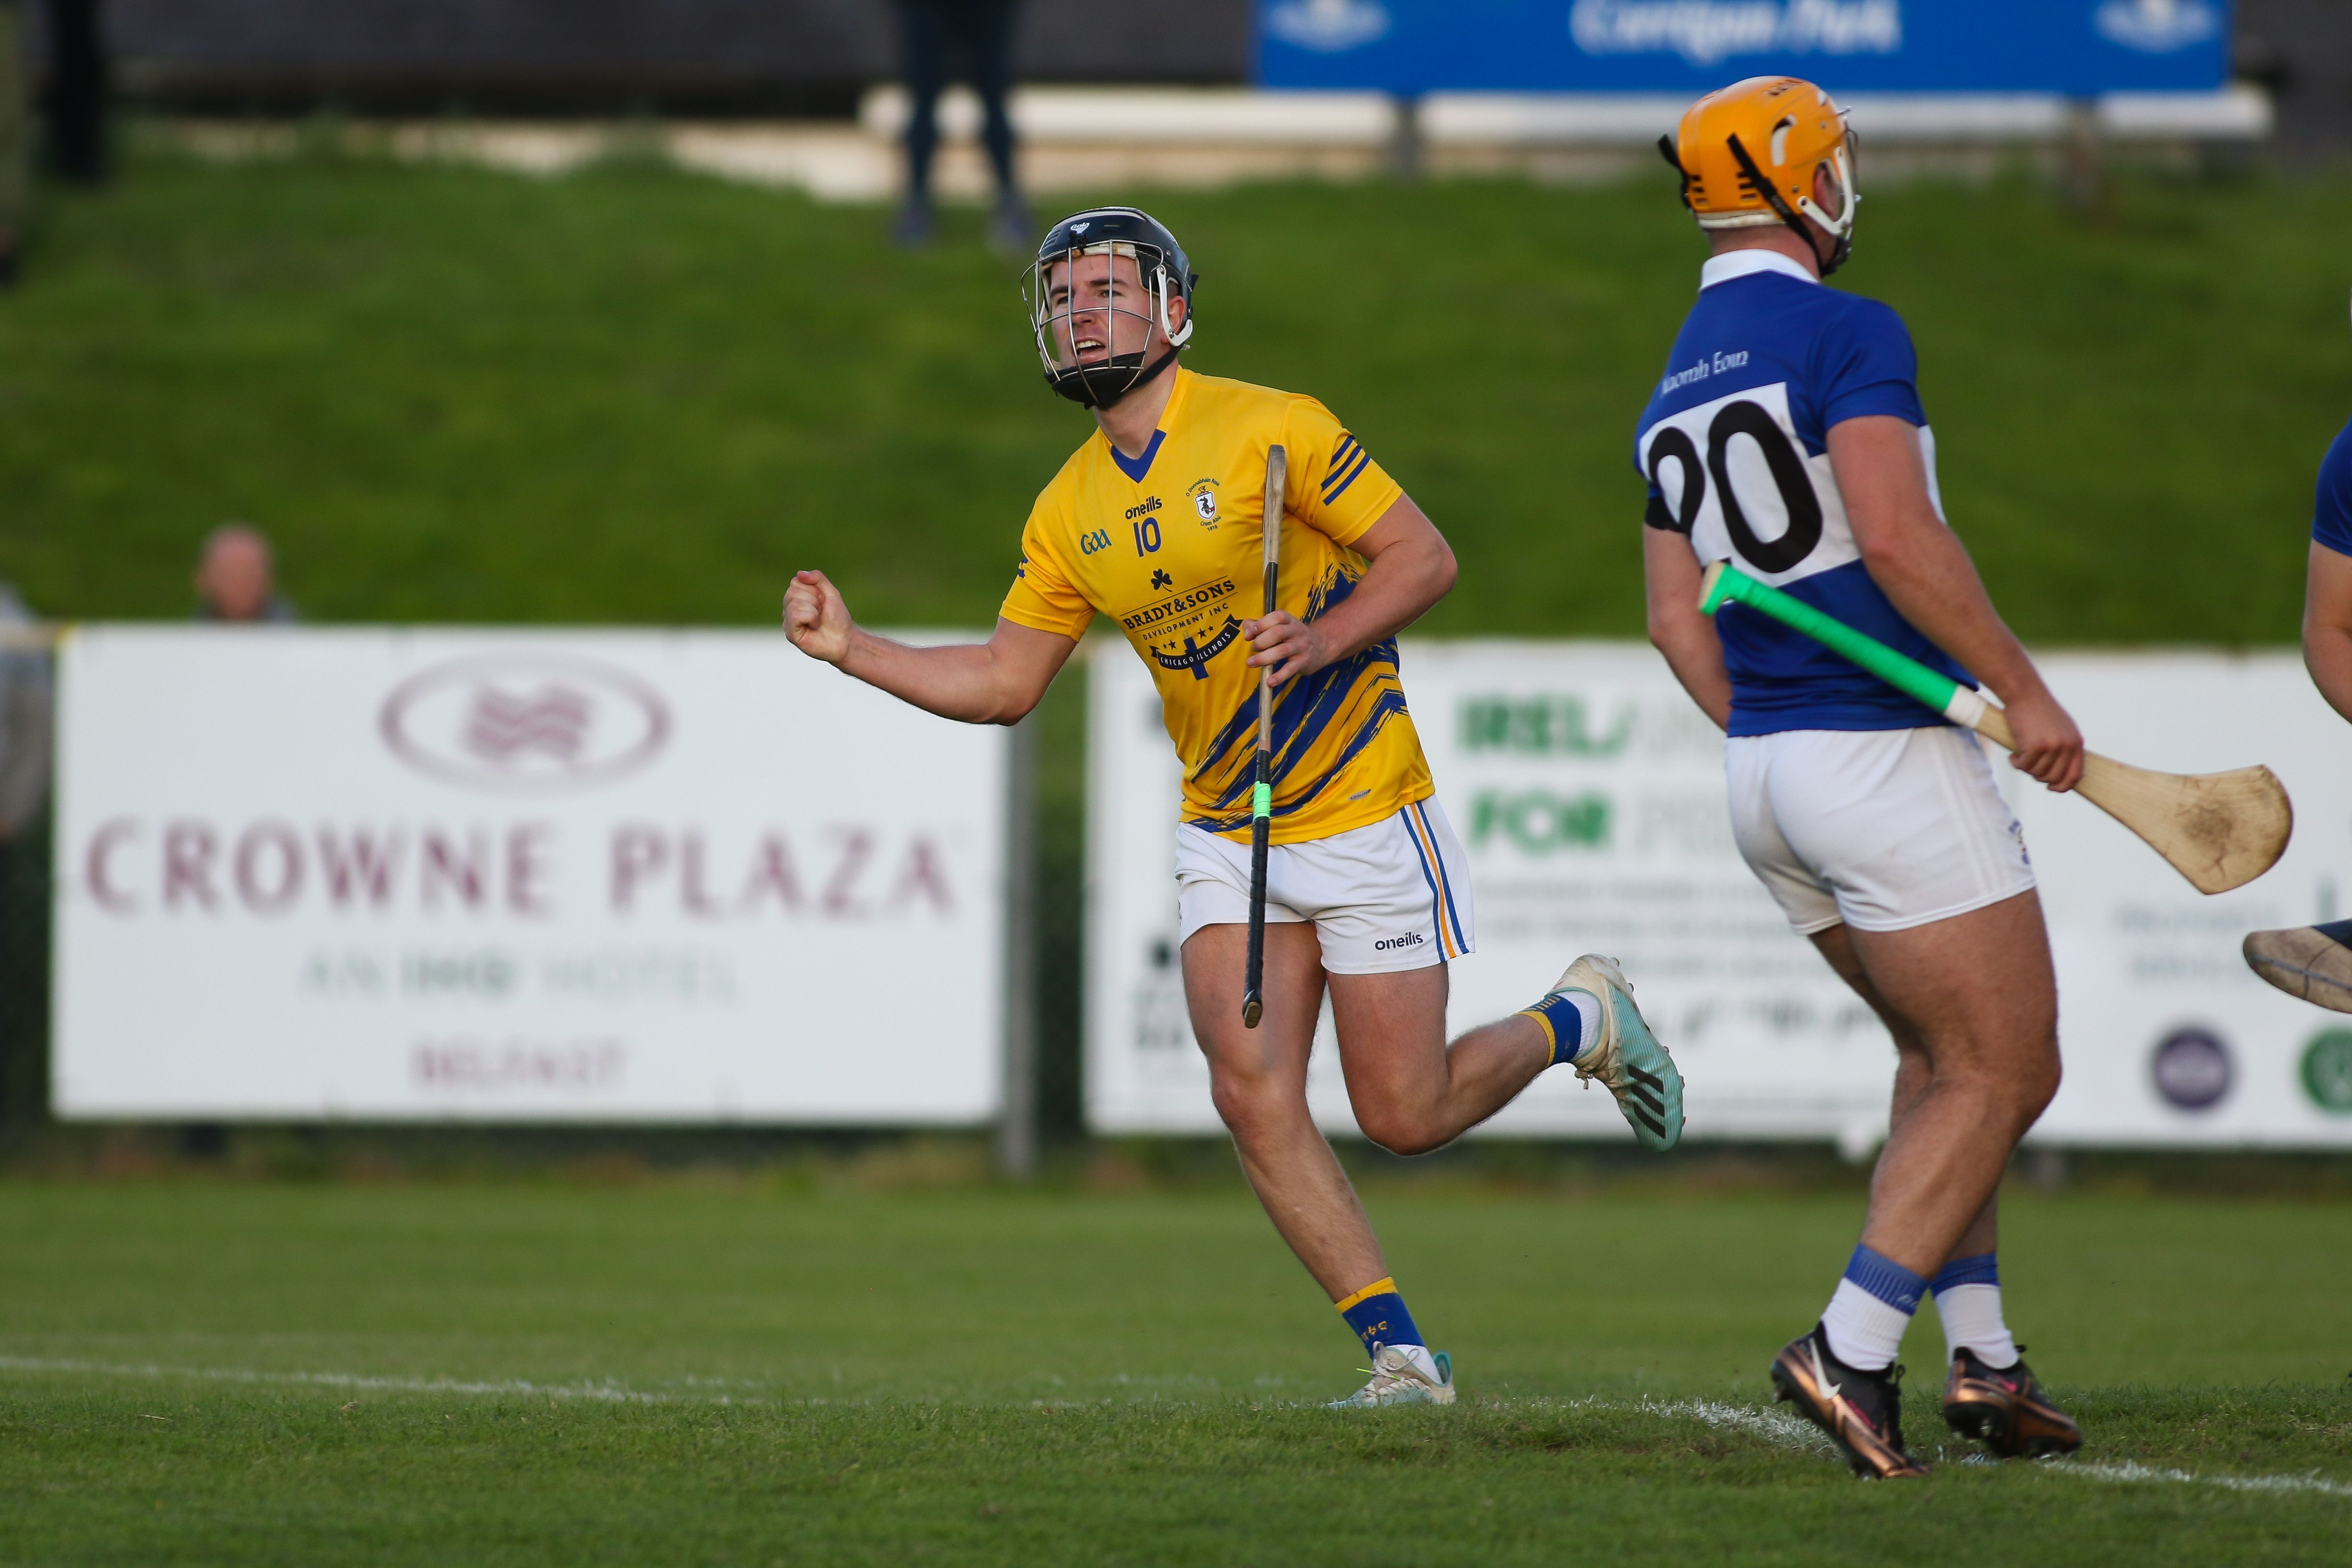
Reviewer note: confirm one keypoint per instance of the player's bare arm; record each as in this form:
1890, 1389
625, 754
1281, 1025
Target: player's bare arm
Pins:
1409, 566
1678, 629
2327, 626
996, 681
1923, 568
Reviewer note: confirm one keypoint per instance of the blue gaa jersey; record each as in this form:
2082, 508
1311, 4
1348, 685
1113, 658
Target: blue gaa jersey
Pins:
1735, 445
2331, 519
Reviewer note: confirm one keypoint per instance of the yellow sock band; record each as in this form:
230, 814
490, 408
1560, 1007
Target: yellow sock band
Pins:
1383, 1286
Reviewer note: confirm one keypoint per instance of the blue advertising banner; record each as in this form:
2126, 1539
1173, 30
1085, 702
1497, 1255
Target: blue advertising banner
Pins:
2079, 47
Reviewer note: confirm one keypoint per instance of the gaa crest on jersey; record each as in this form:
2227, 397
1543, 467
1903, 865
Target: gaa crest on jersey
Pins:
1204, 494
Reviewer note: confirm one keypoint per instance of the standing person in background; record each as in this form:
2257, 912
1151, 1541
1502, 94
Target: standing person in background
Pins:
27, 737
16, 141
235, 578
25, 712
983, 30
78, 89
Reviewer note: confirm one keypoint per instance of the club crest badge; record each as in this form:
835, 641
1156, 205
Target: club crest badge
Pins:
1205, 502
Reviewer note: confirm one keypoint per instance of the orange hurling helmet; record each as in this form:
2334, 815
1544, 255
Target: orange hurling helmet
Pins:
1748, 153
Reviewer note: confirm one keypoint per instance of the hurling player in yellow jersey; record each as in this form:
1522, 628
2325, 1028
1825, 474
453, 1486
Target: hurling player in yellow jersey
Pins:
1156, 522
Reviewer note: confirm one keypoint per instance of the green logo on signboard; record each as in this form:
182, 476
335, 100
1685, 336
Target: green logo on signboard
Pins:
1536, 822
1555, 725
2327, 1071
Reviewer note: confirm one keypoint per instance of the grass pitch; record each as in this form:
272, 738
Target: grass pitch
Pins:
737, 1374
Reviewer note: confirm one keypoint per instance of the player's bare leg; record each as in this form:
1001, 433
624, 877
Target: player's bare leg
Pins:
1410, 1091
1990, 1394
1258, 1079
1912, 1073
1981, 999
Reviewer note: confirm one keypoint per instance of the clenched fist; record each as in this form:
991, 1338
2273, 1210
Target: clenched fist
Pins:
815, 619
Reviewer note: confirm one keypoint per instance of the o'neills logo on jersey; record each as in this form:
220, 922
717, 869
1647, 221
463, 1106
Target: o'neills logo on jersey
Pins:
1176, 606
1151, 503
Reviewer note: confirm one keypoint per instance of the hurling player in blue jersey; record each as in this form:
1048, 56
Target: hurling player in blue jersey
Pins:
1786, 435
2314, 962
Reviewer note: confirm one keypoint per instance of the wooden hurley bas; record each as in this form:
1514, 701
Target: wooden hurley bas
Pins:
2220, 831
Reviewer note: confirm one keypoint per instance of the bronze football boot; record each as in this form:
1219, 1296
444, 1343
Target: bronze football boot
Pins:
1860, 1411
2006, 1410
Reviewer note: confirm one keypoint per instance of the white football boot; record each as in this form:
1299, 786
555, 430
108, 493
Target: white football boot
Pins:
1403, 1374
1627, 1059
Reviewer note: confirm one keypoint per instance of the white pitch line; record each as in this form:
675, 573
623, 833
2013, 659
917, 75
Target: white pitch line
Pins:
2129, 1470
1774, 1426
603, 1393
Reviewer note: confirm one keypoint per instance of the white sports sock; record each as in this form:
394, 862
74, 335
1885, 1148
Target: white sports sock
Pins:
1422, 1361
1863, 1332
1972, 1319
1588, 1013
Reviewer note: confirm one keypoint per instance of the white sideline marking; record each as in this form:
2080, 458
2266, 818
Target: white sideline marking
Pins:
2131, 1470
1774, 1426
604, 1393
1790, 1431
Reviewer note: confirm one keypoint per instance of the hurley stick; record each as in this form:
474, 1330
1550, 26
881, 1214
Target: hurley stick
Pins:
2220, 831
1277, 473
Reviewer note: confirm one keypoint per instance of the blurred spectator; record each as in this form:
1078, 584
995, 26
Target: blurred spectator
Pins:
235, 579
25, 717
982, 31
78, 89
15, 140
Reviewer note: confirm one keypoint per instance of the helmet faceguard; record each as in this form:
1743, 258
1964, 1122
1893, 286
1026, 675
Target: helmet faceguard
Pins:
1099, 285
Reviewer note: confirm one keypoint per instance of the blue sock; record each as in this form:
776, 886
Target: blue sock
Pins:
1984, 1268
1968, 1298
1376, 1314
1872, 1307
1570, 1021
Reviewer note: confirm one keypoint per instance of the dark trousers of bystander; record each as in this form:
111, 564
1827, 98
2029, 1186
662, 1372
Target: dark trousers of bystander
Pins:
981, 32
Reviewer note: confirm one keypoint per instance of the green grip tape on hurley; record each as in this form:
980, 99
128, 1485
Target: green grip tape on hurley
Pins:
1726, 582
1262, 800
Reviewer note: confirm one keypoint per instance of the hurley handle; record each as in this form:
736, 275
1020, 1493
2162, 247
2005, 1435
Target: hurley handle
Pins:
1725, 583
1278, 483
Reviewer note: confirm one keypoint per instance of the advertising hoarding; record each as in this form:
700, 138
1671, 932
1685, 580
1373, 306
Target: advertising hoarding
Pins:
1588, 792
2078, 47
518, 875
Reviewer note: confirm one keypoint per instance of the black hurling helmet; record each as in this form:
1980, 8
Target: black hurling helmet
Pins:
1160, 264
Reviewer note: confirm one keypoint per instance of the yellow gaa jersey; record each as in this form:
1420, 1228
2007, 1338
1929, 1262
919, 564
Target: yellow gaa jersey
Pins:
1170, 546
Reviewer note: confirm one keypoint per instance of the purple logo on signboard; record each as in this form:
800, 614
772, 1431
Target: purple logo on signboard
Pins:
2191, 1069
525, 721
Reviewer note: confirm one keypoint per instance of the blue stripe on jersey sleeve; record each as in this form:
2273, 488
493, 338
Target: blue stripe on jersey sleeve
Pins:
2331, 519
1332, 493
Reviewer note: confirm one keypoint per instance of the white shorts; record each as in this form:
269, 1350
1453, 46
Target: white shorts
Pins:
1392, 895
1882, 829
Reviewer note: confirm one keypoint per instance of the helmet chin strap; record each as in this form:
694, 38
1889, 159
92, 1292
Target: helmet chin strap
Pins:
1842, 234
1077, 383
